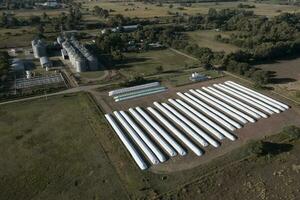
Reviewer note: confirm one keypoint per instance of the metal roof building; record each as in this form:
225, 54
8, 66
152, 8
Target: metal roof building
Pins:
45, 62
17, 65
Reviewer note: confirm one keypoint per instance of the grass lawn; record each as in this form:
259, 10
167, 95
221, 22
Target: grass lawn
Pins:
207, 39
145, 63
92, 74
49, 150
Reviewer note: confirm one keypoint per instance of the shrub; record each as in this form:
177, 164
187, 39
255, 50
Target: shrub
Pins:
255, 148
292, 133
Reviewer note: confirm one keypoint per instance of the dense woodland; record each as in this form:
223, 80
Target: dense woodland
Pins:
262, 39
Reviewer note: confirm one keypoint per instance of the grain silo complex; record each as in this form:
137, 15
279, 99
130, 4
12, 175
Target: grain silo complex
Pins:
39, 48
80, 57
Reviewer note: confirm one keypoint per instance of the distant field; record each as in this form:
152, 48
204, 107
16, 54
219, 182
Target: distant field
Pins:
145, 63
207, 39
142, 10
139, 9
16, 37
36, 12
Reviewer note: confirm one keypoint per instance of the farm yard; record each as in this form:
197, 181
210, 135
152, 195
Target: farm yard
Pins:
105, 156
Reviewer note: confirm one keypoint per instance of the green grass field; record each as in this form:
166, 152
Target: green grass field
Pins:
50, 151
206, 38
145, 63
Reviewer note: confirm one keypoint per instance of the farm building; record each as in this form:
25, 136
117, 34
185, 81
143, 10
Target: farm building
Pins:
17, 65
198, 77
80, 57
45, 62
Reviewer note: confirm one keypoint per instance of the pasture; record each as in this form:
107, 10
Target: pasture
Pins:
146, 63
206, 38
49, 150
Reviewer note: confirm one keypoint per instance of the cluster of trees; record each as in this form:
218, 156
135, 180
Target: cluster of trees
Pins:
100, 12
112, 44
257, 30
263, 39
64, 21
4, 65
170, 36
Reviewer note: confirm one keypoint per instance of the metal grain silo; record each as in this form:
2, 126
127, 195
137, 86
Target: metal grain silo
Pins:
60, 40
80, 63
39, 48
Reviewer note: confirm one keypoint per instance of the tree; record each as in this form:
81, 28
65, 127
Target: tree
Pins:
34, 20
4, 65
261, 77
255, 148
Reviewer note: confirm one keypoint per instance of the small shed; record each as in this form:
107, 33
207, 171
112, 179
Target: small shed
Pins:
198, 77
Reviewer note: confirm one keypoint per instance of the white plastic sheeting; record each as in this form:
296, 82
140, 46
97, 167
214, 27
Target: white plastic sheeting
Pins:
193, 101
204, 135
153, 133
258, 112
197, 119
254, 99
134, 88
233, 103
232, 109
223, 116
148, 142
220, 107
137, 139
133, 152
176, 132
245, 98
163, 133
259, 96
207, 120
186, 128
